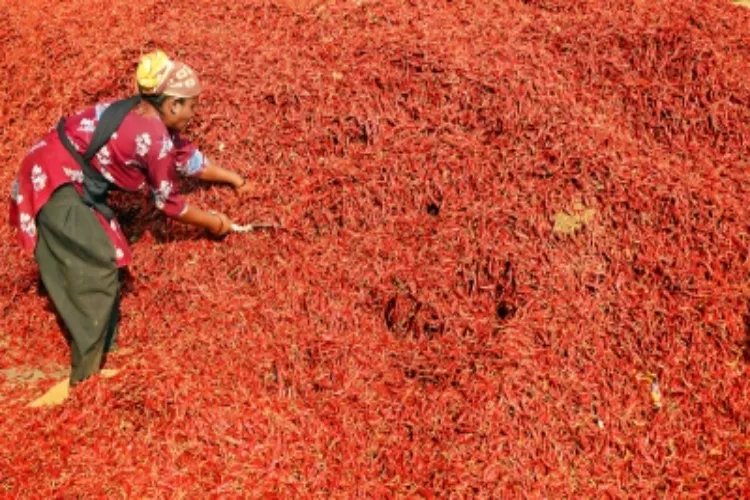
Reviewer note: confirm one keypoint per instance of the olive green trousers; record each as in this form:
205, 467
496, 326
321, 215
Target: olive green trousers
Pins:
77, 265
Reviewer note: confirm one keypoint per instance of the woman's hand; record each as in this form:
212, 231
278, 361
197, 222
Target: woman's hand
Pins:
243, 187
214, 173
214, 222
222, 226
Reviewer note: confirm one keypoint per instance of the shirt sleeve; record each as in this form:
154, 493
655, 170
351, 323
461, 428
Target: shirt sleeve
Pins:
162, 177
190, 162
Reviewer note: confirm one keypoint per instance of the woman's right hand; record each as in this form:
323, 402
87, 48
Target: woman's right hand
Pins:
215, 223
222, 224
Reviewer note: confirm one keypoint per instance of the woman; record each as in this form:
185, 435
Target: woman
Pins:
78, 245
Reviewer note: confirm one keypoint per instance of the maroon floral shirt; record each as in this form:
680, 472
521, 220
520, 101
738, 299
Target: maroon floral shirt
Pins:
141, 153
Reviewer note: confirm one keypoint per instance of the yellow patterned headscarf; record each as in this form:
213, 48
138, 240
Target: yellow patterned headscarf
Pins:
157, 74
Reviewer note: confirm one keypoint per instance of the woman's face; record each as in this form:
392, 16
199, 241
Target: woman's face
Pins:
177, 113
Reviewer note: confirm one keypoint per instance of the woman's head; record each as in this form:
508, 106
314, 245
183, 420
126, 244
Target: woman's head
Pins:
171, 87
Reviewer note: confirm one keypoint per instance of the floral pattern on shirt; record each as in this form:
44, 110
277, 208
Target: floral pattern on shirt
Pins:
38, 178
107, 175
103, 157
166, 147
142, 144
87, 125
75, 175
27, 224
161, 194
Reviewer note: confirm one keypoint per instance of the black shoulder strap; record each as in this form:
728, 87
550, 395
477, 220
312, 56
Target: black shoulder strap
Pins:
109, 122
95, 186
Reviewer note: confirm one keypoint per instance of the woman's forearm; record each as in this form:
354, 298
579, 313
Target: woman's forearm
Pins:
197, 217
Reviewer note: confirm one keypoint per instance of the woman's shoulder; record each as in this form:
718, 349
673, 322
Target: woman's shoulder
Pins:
143, 130
134, 122
145, 123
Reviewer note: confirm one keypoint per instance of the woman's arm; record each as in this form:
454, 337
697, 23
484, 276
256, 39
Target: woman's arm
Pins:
218, 223
214, 173
162, 175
